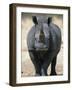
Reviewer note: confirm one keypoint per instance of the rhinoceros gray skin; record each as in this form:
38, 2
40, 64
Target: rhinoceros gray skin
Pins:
44, 43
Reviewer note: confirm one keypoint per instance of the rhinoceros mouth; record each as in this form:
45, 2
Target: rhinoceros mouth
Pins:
41, 49
41, 46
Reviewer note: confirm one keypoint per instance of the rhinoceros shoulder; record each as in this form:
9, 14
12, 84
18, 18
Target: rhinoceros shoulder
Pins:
55, 37
55, 30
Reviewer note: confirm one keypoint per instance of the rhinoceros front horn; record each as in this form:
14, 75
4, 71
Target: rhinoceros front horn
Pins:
35, 19
49, 20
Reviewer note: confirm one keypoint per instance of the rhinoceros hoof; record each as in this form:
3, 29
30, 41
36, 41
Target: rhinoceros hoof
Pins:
53, 73
37, 74
44, 73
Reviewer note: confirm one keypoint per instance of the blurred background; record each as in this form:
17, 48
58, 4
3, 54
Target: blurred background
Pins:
27, 67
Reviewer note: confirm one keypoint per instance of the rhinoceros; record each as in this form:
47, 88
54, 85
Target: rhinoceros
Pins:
44, 43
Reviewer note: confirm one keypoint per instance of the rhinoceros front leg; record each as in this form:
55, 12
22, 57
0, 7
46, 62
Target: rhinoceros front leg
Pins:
37, 69
47, 60
45, 67
44, 72
36, 62
53, 65
38, 72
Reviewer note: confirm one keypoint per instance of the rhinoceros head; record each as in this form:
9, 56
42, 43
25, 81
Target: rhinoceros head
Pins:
42, 34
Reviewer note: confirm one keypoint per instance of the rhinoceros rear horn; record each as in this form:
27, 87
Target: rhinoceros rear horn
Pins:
35, 19
49, 20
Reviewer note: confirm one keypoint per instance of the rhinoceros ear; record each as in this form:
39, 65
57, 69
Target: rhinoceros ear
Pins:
49, 20
35, 19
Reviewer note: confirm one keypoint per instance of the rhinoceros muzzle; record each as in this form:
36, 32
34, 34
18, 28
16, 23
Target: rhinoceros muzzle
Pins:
40, 46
